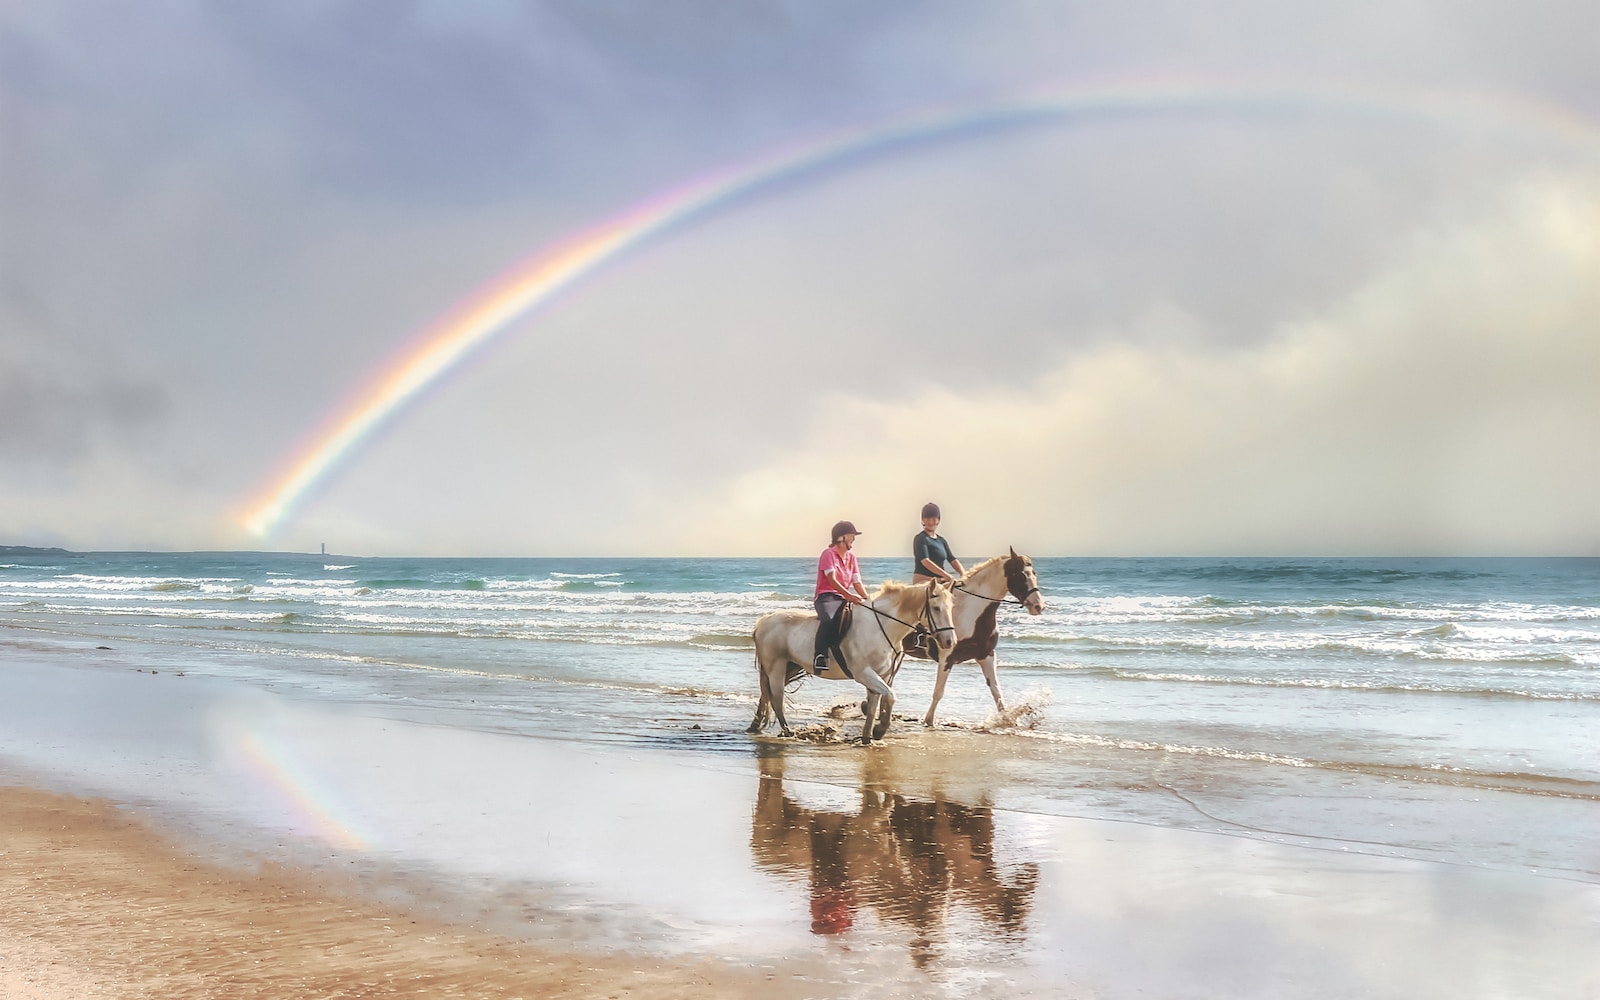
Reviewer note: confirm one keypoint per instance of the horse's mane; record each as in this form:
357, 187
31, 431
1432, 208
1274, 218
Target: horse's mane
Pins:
893, 587
985, 565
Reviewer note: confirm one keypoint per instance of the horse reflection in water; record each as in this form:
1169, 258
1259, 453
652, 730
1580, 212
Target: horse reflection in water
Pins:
910, 861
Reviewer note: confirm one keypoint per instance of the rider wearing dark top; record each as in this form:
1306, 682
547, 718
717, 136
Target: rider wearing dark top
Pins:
930, 554
936, 550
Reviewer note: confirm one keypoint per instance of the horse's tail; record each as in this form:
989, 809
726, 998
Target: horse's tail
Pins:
764, 703
761, 671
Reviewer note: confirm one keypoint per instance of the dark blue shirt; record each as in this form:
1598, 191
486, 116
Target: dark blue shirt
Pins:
935, 550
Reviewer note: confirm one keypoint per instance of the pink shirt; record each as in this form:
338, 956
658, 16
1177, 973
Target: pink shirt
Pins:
842, 569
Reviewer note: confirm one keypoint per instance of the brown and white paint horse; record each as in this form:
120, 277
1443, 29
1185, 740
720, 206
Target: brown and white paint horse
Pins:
978, 595
784, 643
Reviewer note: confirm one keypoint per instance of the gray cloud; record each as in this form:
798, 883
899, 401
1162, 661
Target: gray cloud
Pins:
57, 408
49, 422
1444, 405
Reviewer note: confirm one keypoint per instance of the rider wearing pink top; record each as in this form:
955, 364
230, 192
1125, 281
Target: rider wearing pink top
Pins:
836, 571
837, 576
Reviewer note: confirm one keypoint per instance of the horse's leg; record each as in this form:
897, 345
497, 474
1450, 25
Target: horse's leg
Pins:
988, 664
941, 675
881, 694
764, 706
885, 720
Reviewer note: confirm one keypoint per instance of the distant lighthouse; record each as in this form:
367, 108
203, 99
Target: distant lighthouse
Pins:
324, 548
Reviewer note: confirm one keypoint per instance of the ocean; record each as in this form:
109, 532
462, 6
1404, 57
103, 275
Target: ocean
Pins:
1438, 709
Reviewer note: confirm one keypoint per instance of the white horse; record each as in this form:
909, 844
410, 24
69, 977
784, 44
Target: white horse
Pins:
978, 595
785, 640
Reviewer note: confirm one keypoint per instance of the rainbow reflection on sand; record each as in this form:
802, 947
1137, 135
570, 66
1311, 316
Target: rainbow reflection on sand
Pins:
283, 778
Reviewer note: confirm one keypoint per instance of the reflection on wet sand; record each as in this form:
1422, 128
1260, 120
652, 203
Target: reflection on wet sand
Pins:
911, 861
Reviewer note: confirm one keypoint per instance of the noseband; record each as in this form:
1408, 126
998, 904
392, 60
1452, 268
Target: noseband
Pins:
927, 616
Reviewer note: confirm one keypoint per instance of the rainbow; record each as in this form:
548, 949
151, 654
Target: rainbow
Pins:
441, 347
298, 787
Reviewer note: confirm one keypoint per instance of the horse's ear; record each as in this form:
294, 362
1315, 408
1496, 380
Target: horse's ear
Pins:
1013, 549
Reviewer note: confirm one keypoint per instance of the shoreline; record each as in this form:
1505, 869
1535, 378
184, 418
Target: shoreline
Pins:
95, 903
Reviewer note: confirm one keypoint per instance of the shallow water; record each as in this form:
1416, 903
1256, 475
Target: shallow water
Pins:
1458, 697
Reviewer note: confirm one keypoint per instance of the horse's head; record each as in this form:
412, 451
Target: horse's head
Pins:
1022, 583
941, 613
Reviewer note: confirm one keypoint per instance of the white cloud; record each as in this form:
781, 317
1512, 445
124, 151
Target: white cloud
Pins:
1448, 405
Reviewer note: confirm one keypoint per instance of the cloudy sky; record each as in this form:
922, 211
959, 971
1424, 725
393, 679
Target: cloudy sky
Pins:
1367, 323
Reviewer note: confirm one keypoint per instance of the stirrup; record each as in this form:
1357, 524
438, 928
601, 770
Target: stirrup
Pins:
819, 663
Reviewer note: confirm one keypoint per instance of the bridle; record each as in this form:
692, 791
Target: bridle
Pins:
918, 627
1012, 596
920, 630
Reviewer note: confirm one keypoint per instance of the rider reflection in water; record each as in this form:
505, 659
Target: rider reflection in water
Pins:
833, 904
912, 862
837, 575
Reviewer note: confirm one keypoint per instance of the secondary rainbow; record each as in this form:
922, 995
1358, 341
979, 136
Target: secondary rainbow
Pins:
442, 346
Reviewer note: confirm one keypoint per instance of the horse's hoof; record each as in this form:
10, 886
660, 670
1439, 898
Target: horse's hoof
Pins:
928, 721
786, 732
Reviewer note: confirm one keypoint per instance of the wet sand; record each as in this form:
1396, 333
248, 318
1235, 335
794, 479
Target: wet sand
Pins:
266, 845
94, 904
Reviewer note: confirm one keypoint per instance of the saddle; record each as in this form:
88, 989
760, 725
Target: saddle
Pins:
845, 620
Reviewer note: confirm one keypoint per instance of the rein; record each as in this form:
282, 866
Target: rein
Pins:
898, 655
914, 627
1008, 599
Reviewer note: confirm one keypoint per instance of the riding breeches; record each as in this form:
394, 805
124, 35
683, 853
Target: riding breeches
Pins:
830, 607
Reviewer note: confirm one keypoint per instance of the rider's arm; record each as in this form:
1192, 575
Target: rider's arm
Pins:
844, 590
935, 570
833, 571
855, 581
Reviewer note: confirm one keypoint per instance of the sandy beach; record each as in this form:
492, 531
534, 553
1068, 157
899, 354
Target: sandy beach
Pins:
94, 904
